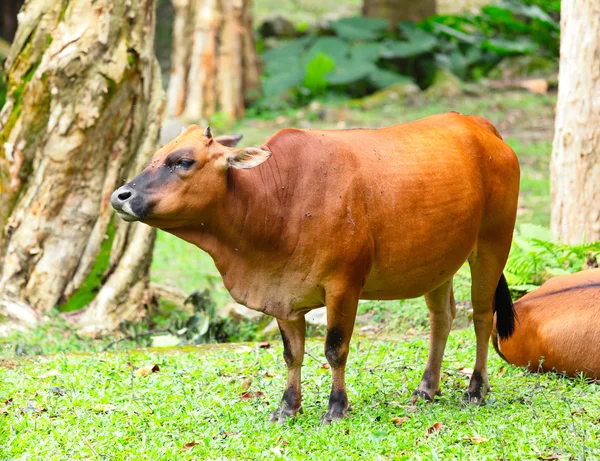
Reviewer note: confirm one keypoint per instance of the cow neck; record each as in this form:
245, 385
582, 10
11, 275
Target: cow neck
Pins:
241, 224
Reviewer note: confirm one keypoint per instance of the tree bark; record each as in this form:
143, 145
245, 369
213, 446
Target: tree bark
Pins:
399, 10
214, 65
575, 167
82, 115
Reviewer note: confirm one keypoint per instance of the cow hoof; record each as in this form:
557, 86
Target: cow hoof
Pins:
282, 414
333, 416
428, 396
475, 398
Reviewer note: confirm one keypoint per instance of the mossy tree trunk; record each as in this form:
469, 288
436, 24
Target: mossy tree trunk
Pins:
575, 166
399, 10
214, 65
82, 115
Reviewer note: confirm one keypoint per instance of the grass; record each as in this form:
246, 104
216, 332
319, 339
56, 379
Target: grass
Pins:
97, 407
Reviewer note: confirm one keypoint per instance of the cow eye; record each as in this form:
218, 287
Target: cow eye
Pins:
185, 163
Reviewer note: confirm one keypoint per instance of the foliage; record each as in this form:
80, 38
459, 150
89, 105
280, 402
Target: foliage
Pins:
366, 56
535, 257
111, 406
173, 327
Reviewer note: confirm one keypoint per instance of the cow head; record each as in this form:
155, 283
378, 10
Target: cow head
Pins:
183, 179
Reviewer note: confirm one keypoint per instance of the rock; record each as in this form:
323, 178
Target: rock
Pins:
277, 26
535, 85
445, 85
317, 317
237, 312
398, 93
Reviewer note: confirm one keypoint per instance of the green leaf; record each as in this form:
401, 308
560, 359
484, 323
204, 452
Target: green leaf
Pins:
383, 78
508, 47
333, 47
283, 81
397, 49
457, 34
350, 71
289, 48
316, 70
360, 28
365, 51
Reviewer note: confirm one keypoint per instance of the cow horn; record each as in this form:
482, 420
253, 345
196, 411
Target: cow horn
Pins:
208, 133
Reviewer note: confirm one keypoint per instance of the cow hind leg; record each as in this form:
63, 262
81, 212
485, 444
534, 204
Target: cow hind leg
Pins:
293, 334
442, 310
487, 263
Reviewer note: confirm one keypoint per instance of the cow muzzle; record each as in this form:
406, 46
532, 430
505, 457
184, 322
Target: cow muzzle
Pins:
123, 200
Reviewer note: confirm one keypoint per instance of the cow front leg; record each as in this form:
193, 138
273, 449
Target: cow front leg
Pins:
293, 333
341, 314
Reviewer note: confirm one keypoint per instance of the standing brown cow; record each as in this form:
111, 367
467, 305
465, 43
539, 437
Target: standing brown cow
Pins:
315, 218
558, 327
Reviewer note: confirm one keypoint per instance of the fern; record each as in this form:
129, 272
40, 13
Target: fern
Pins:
535, 257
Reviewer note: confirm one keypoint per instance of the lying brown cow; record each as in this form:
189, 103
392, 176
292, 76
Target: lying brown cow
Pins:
315, 218
558, 327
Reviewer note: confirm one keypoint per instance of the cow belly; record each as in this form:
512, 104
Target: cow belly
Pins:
408, 267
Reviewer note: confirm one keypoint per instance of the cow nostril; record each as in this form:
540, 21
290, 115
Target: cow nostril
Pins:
124, 195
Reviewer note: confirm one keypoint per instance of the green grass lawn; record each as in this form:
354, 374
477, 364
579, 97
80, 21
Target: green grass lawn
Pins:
71, 407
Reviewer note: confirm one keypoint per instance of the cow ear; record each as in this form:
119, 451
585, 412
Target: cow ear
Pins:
230, 140
248, 157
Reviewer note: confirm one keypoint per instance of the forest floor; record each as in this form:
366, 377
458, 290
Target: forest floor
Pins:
98, 406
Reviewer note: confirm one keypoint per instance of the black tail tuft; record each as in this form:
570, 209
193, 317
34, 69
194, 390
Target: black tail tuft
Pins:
505, 312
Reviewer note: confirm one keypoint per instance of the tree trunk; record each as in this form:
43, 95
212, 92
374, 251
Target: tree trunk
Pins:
8, 17
214, 66
575, 167
82, 115
399, 10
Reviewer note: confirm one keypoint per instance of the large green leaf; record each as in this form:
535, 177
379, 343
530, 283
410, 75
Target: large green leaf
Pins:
366, 51
291, 48
316, 70
280, 82
285, 57
507, 47
350, 71
414, 33
335, 48
383, 78
360, 28
397, 49
457, 34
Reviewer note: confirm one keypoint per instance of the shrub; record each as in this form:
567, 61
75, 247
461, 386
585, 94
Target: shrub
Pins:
361, 55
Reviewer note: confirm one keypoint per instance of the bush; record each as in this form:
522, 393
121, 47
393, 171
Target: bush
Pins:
360, 55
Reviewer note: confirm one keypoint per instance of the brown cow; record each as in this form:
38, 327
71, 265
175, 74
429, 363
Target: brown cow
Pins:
558, 327
315, 218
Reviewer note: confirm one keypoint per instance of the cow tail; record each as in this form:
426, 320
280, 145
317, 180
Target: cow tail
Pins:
505, 312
